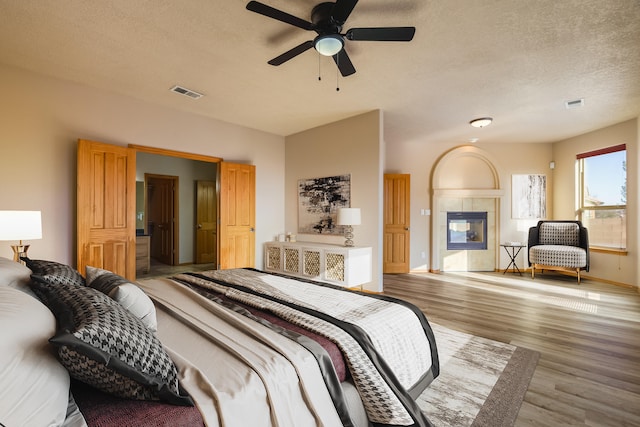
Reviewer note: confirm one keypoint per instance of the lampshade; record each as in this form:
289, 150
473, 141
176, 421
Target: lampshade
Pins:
329, 44
20, 225
481, 122
349, 216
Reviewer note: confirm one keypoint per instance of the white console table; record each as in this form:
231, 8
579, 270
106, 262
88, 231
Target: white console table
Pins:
340, 265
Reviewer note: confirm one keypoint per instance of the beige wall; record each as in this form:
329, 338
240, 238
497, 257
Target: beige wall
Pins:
604, 266
351, 146
42, 118
419, 160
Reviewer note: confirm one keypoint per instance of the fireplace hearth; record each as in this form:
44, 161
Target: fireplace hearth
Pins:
466, 230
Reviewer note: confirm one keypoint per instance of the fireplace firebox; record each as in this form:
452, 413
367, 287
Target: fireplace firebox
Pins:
466, 230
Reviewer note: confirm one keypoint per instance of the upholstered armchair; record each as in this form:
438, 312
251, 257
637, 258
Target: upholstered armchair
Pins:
558, 245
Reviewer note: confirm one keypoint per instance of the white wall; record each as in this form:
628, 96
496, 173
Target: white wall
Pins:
611, 267
42, 118
350, 146
419, 159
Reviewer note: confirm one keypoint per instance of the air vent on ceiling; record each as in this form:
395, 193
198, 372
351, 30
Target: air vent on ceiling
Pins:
186, 92
576, 103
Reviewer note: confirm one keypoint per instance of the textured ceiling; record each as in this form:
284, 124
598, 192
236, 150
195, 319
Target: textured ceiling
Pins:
515, 60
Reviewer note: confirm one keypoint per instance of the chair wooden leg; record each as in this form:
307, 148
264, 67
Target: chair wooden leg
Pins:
533, 271
578, 271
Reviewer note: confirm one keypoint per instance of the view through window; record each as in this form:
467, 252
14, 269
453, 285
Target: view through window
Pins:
603, 201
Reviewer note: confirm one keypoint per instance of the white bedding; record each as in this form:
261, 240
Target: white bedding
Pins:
386, 343
246, 374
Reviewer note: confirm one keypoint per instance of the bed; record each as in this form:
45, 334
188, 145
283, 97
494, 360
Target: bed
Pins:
241, 347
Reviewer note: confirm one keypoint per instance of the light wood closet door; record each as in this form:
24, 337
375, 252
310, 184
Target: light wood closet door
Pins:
237, 215
397, 223
106, 203
206, 220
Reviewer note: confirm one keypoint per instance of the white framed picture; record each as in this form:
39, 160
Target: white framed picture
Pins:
529, 196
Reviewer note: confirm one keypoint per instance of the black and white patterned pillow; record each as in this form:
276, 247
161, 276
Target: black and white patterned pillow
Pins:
54, 272
104, 345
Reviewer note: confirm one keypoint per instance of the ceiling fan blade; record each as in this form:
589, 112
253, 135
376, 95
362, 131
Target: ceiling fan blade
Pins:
303, 47
344, 63
279, 15
383, 34
342, 9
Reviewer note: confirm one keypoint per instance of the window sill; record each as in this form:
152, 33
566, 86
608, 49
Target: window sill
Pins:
612, 251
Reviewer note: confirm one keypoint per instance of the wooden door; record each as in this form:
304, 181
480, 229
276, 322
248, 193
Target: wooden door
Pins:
397, 223
161, 216
106, 204
237, 215
206, 219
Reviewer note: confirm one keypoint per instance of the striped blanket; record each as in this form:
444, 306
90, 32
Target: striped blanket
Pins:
387, 343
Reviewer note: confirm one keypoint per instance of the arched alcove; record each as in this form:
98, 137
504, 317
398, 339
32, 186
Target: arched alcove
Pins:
465, 180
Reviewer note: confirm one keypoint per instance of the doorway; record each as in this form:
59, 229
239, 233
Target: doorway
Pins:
162, 207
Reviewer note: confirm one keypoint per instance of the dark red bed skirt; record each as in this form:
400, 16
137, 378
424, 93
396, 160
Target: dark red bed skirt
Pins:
103, 410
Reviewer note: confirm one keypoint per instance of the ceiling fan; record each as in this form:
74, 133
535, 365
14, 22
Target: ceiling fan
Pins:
327, 20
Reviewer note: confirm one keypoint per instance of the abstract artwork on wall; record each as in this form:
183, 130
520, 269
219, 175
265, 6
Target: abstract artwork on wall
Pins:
529, 196
318, 203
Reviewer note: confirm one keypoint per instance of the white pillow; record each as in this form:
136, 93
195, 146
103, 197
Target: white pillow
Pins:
15, 275
126, 293
34, 386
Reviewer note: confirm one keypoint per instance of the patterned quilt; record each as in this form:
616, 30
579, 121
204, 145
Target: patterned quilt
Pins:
387, 343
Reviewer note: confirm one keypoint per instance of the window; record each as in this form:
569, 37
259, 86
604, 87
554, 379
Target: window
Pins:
603, 196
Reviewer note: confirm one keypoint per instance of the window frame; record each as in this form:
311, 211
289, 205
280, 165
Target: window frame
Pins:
580, 158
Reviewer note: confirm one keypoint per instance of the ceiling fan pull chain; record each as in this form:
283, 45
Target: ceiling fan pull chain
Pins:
338, 73
319, 74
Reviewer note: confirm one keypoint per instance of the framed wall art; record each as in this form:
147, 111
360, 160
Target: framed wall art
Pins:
529, 196
318, 202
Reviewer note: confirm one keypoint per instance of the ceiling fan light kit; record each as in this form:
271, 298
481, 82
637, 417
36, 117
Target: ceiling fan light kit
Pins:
328, 44
327, 19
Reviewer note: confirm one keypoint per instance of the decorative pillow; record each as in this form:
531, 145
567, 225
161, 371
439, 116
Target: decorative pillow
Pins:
34, 386
126, 293
54, 272
103, 345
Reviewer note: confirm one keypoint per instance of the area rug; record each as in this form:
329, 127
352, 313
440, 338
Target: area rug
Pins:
481, 382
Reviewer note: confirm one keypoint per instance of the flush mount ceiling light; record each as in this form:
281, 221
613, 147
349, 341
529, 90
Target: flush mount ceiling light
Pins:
328, 44
481, 122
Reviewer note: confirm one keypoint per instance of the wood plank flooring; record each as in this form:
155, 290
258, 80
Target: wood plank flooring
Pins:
588, 336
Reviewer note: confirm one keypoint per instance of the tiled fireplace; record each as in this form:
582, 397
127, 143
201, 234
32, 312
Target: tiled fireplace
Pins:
466, 199
467, 234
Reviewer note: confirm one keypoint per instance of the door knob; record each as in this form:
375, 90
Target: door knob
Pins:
199, 225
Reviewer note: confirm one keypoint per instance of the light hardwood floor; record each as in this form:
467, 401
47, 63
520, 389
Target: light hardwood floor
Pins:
588, 336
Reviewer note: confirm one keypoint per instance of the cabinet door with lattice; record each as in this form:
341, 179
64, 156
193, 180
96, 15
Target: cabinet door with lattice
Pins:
311, 263
291, 260
273, 257
335, 266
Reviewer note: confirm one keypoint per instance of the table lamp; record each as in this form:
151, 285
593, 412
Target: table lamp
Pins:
348, 217
20, 225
